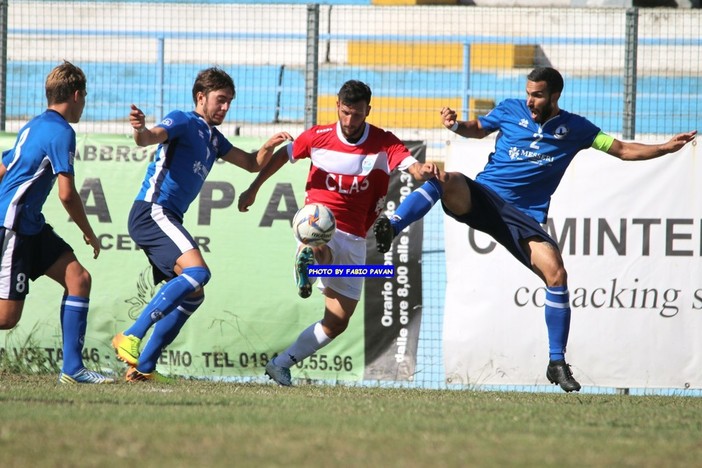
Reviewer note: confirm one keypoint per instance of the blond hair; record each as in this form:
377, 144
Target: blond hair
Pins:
63, 81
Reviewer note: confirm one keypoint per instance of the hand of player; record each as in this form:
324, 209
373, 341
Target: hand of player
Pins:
246, 199
94, 243
429, 170
448, 117
276, 140
679, 140
137, 119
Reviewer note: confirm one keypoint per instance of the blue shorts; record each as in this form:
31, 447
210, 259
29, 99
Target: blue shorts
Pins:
505, 223
27, 257
161, 235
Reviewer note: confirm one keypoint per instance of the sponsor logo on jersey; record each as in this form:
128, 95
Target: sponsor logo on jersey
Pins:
200, 169
346, 184
528, 155
324, 130
524, 123
167, 122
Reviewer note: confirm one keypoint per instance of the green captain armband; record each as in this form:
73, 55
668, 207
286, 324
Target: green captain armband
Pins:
603, 142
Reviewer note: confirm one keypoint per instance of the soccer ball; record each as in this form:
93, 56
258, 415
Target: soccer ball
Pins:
314, 225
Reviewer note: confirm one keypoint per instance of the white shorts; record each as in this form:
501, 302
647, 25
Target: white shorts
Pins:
346, 249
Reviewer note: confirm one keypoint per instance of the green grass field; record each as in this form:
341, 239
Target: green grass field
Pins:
208, 424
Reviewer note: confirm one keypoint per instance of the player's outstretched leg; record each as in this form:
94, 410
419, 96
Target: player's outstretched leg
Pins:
303, 259
414, 207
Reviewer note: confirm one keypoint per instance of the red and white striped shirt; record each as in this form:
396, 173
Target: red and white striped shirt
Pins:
350, 178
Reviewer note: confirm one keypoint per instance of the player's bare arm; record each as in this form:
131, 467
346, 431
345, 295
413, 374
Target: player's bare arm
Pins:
632, 151
467, 129
257, 160
3, 170
248, 196
142, 135
72, 203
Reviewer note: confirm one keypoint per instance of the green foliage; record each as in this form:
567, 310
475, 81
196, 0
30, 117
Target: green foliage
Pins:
21, 354
204, 423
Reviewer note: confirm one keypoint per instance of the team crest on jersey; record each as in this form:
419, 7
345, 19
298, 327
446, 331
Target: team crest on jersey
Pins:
561, 132
367, 164
167, 122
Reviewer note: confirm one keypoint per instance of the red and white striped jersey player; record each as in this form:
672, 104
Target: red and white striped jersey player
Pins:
350, 171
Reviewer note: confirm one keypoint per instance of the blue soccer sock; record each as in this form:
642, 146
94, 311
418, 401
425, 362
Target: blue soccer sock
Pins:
165, 331
557, 320
74, 321
168, 298
416, 205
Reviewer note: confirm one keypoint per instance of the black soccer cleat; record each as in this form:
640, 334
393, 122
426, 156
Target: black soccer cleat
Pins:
382, 229
558, 372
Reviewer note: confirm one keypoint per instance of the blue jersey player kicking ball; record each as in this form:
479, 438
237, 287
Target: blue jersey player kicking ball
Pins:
29, 247
509, 199
188, 146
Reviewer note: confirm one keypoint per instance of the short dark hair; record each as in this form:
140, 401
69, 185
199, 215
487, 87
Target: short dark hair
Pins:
63, 81
212, 79
553, 79
353, 92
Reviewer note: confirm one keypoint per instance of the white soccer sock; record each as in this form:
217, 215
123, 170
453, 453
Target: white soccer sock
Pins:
310, 340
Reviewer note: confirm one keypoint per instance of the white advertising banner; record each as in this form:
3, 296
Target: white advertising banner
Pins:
631, 237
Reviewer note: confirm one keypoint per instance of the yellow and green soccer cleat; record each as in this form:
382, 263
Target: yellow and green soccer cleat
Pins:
127, 348
133, 375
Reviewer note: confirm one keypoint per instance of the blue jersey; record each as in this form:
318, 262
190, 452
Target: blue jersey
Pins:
45, 147
530, 158
182, 162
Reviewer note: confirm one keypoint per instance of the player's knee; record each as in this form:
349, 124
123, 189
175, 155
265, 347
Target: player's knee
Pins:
197, 276
79, 282
334, 328
557, 277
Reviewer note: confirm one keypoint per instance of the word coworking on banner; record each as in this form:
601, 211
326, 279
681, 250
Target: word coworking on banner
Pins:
370, 271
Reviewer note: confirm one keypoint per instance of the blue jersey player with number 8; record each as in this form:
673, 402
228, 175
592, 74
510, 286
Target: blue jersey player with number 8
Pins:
510, 198
29, 247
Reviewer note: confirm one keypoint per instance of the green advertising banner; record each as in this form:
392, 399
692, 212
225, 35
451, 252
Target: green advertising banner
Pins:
251, 309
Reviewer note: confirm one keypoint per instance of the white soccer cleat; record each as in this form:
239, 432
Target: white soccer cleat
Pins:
85, 376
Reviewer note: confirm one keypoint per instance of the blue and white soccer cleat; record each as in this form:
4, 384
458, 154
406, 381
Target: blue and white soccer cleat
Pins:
85, 376
279, 374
